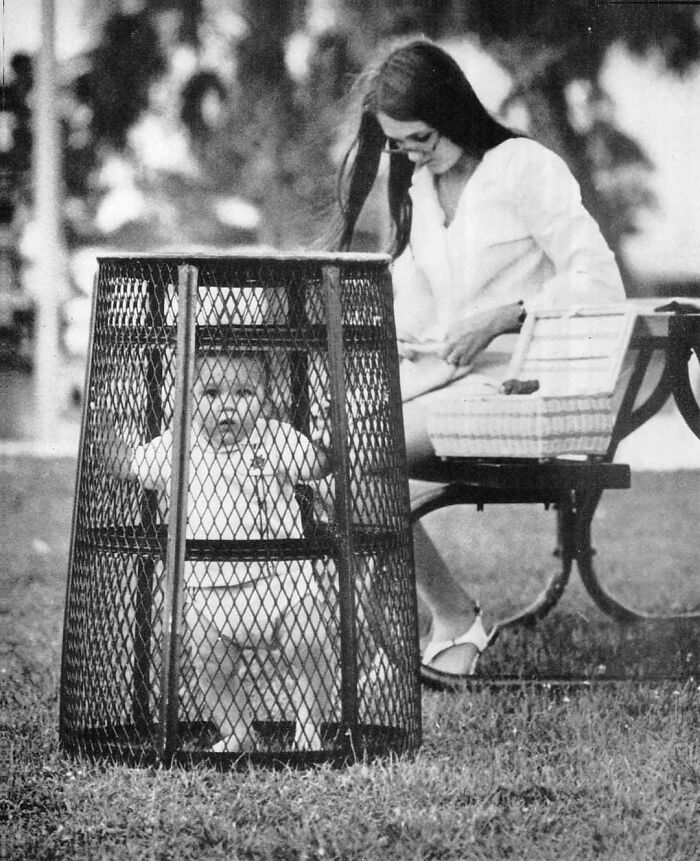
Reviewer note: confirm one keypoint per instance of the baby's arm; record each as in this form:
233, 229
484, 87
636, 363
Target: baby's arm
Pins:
302, 457
117, 456
310, 459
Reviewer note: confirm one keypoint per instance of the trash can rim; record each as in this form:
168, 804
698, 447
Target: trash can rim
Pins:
283, 256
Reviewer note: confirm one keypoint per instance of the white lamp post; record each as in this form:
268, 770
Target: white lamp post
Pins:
49, 281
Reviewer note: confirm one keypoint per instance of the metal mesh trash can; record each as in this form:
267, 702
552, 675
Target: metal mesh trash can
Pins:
240, 583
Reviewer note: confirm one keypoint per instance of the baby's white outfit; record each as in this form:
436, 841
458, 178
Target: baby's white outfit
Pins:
245, 493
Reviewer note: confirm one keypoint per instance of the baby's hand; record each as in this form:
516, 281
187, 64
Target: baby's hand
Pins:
320, 424
320, 436
111, 449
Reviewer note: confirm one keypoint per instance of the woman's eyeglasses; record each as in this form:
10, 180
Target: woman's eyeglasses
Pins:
420, 142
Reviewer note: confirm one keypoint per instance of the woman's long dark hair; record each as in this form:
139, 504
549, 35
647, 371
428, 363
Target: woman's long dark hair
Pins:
417, 81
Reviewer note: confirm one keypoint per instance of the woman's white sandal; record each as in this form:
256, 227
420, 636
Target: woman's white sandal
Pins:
476, 636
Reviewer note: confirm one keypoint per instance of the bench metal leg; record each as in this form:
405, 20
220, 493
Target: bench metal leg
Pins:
544, 602
585, 509
574, 517
443, 496
554, 589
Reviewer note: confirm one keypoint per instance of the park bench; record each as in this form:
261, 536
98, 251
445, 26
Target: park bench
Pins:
573, 487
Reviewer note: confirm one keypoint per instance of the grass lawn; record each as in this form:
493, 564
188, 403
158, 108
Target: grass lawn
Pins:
601, 770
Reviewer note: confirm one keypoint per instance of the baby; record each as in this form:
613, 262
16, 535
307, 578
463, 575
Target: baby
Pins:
244, 466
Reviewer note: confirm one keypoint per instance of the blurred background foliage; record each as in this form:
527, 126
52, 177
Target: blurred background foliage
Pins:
221, 122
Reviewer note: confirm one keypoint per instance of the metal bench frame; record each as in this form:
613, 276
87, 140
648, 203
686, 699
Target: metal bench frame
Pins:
574, 487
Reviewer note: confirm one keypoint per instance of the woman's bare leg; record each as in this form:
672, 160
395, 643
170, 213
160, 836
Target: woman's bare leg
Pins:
452, 608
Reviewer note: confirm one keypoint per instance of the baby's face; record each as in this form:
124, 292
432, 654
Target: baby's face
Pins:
229, 397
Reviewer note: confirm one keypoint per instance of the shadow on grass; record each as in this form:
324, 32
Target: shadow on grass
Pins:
566, 646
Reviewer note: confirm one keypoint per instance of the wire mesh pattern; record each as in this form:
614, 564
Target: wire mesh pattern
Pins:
241, 576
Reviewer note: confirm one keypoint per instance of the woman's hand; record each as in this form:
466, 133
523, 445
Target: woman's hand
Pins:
467, 338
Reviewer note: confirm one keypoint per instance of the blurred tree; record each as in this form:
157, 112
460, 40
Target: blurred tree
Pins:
16, 312
109, 93
16, 138
122, 67
274, 145
203, 103
549, 48
16, 141
248, 153
246, 123
16, 126
267, 131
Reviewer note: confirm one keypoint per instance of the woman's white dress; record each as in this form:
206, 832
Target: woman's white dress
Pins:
519, 232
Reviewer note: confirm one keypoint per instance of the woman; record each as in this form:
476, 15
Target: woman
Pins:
486, 223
